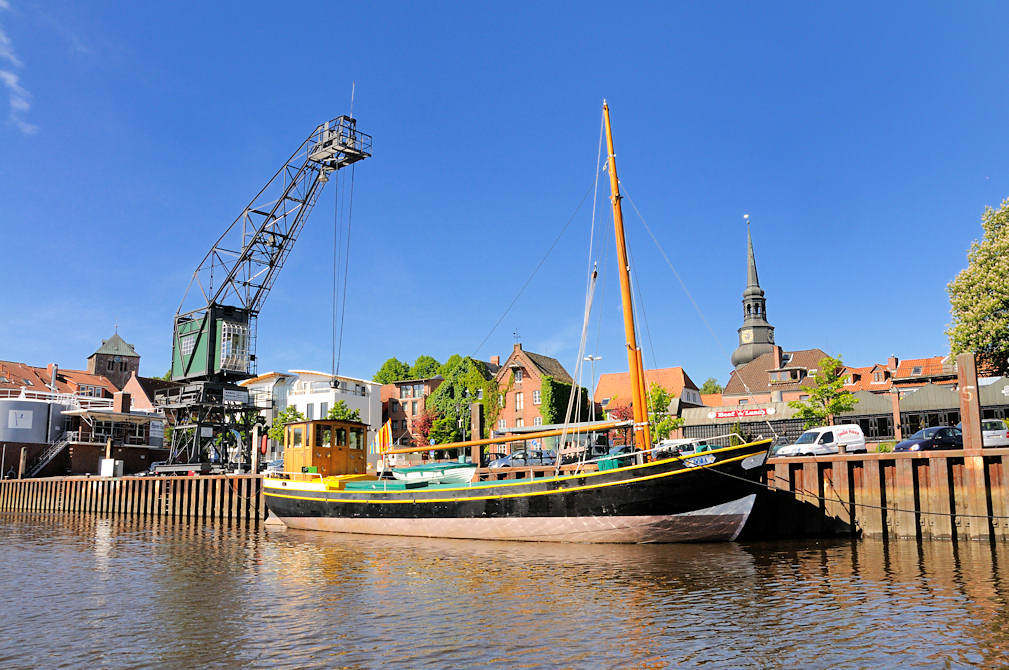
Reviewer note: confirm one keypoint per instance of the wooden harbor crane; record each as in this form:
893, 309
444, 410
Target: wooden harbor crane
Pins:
214, 333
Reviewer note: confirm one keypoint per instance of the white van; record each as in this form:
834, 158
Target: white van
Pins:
825, 440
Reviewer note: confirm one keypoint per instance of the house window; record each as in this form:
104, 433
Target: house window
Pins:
519, 402
536, 397
538, 421
518, 376
519, 422
413, 407
406, 391
804, 397
916, 370
500, 401
501, 424
479, 394
393, 405
606, 401
744, 401
323, 410
877, 376
418, 390
102, 429
310, 411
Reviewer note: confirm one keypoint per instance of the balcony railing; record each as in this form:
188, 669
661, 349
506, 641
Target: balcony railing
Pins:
80, 402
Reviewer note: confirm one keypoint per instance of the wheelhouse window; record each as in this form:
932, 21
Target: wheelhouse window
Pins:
356, 439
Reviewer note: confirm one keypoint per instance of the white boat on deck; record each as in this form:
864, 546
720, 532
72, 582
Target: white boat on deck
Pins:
437, 473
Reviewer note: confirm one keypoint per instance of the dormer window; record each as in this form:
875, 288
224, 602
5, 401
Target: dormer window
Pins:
916, 370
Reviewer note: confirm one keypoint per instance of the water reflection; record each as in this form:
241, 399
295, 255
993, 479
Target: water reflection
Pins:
131, 593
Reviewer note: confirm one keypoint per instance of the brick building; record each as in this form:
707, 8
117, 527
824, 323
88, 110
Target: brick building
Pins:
116, 360
520, 380
614, 389
775, 376
403, 402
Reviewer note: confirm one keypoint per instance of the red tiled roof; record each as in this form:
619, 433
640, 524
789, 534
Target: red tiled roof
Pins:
930, 367
755, 376
20, 375
618, 384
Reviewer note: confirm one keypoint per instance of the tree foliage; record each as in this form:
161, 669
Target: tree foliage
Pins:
554, 398
660, 421
289, 414
422, 425
393, 370
711, 385
465, 381
424, 367
340, 411
979, 296
827, 398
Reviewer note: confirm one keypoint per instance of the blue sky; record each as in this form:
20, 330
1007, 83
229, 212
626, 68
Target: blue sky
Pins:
864, 141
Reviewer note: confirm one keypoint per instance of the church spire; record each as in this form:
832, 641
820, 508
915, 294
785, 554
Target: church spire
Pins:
751, 263
756, 336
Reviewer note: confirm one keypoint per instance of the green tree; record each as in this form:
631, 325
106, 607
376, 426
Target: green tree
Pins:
167, 376
979, 296
466, 381
554, 398
827, 398
341, 412
289, 414
424, 367
711, 385
660, 421
393, 370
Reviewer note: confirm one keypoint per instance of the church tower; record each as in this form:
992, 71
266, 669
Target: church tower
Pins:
116, 360
756, 336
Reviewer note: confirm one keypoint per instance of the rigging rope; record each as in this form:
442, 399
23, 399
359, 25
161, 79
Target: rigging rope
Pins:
337, 246
531, 275
683, 285
346, 270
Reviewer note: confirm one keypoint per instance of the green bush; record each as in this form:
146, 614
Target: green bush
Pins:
884, 447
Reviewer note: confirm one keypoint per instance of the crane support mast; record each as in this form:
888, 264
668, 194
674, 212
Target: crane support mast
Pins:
215, 325
214, 334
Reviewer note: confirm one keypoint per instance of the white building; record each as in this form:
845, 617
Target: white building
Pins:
312, 394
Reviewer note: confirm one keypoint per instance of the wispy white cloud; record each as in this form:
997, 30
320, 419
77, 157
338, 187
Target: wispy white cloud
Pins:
18, 96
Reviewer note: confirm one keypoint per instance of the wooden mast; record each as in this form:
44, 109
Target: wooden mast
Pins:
642, 434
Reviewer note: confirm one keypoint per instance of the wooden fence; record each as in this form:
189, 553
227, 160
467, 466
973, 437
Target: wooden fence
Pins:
233, 497
934, 494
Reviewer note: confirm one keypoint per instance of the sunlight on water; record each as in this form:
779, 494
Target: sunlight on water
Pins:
109, 592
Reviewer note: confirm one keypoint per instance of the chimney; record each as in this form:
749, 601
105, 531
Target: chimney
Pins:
518, 346
121, 402
891, 363
777, 357
495, 360
52, 369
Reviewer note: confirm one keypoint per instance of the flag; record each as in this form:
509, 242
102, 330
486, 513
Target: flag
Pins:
383, 439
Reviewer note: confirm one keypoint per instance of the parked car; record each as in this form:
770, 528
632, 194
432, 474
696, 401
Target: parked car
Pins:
933, 437
825, 440
994, 433
275, 466
523, 459
595, 451
492, 456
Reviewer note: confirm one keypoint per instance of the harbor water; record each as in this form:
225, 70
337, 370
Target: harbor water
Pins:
105, 592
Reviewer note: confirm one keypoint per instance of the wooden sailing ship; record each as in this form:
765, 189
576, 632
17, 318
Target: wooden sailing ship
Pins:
701, 497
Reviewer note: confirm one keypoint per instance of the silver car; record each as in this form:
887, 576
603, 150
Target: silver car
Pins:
994, 433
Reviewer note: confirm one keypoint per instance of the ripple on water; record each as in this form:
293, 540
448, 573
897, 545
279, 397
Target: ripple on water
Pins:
101, 592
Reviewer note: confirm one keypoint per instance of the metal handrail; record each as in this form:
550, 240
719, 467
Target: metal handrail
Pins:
80, 402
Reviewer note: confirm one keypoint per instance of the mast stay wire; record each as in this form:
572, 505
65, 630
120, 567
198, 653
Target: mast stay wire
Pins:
337, 254
532, 274
690, 296
346, 269
592, 273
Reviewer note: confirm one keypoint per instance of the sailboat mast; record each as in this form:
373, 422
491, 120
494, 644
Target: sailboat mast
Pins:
642, 434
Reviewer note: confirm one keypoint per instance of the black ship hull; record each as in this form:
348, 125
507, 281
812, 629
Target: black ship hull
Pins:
705, 497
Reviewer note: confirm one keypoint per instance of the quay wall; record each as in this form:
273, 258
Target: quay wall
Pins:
940, 495
237, 498
927, 495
